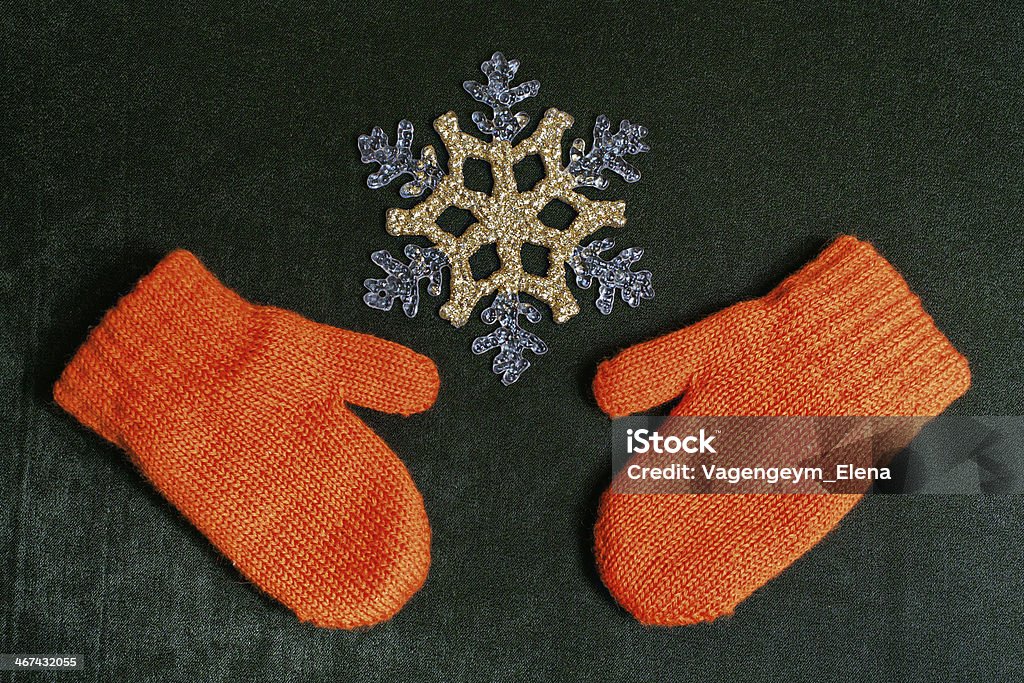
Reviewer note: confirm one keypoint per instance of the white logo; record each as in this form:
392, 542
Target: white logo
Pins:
645, 441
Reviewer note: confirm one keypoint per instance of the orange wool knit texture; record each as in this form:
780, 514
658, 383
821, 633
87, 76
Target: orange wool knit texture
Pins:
237, 414
844, 336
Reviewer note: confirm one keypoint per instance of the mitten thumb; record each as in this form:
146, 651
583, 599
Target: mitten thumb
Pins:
655, 372
382, 375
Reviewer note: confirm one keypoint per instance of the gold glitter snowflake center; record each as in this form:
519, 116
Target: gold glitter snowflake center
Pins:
507, 218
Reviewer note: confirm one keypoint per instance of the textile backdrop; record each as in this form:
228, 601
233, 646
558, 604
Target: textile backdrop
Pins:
231, 132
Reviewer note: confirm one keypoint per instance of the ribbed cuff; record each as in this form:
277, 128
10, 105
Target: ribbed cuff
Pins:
156, 344
853, 305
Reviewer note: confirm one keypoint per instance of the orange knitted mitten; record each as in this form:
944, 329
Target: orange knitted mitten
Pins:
236, 413
843, 336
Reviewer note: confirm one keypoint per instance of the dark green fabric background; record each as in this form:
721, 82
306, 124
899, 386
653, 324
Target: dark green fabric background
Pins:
232, 133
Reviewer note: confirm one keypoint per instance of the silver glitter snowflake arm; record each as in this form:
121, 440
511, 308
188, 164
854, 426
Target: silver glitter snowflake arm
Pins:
496, 94
616, 274
403, 279
607, 152
398, 160
511, 339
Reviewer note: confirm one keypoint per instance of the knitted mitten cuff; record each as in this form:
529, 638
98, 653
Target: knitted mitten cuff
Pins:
178, 326
852, 299
851, 308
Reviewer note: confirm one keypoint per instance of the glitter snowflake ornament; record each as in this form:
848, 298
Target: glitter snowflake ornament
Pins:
506, 218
